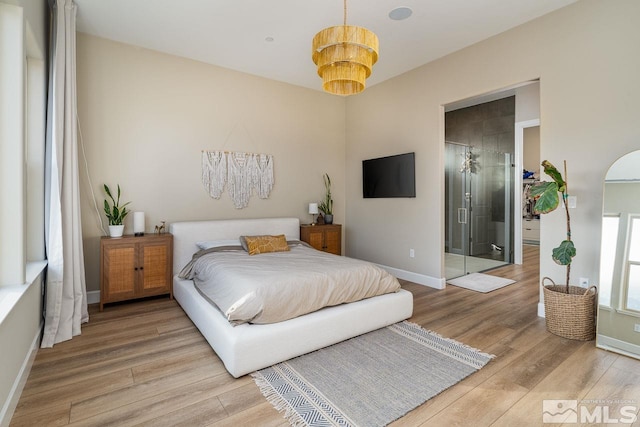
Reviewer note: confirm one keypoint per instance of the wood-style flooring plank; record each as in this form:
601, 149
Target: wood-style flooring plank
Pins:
154, 404
62, 396
262, 415
51, 417
86, 408
145, 363
112, 358
57, 378
199, 356
574, 377
484, 404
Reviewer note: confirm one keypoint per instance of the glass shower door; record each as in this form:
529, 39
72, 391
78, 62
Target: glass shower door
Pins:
478, 209
457, 197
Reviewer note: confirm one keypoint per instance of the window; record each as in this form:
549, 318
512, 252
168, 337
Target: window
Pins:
22, 136
632, 263
610, 225
12, 70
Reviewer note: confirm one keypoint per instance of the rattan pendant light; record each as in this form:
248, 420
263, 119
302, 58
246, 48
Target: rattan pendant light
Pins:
344, 55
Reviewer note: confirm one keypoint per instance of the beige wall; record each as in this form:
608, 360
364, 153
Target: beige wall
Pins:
588, 112
145, 118
528, 102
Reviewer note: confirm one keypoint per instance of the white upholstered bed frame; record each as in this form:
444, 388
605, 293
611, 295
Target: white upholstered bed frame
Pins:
247, 347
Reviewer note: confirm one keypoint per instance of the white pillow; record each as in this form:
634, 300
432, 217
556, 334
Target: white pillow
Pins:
215, 243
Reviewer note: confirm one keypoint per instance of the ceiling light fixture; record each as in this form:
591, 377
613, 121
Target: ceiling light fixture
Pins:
344, 55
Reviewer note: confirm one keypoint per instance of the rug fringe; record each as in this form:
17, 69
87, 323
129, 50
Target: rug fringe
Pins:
277, 401
449, 340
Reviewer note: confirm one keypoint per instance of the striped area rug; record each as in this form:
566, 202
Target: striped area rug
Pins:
369, 380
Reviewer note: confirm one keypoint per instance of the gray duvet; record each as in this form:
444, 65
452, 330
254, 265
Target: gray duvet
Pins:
274, 287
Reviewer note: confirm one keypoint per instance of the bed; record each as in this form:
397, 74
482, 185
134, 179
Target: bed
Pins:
247, 347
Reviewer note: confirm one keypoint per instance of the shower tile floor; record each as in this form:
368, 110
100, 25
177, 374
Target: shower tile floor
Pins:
454, 265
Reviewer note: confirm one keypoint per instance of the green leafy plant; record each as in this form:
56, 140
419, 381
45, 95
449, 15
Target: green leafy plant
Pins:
326, 206
115, 213
547, 196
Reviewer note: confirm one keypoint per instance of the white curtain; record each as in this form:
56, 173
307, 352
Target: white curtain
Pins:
66, 295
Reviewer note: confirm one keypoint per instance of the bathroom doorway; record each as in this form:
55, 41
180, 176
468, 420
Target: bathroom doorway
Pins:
479, 187
478, 213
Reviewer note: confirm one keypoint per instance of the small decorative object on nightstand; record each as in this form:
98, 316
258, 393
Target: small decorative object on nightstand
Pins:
160, 229
138, 224
135, 267
326, 237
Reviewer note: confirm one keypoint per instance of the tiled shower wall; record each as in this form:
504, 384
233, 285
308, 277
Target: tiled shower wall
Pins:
489, 126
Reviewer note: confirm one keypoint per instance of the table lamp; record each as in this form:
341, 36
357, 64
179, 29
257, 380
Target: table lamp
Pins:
313, 210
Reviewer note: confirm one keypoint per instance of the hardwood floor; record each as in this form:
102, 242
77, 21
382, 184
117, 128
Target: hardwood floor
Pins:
145, 363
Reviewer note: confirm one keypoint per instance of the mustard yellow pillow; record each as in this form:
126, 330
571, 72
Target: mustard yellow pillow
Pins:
264, 244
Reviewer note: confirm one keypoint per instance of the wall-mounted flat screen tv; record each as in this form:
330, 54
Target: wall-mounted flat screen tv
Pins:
392, 176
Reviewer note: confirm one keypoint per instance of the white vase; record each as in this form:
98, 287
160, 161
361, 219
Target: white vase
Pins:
116, 230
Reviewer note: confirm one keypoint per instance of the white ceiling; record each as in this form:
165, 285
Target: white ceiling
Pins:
233, 33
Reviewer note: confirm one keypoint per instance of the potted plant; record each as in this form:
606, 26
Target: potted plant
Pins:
326, 205
569, 310
115, 213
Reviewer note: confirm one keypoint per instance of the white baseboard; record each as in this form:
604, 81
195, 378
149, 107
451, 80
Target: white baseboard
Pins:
14, 395
93, 297
617, 346
421, 279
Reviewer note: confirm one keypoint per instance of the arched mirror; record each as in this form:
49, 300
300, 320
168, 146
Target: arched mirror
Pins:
619, 296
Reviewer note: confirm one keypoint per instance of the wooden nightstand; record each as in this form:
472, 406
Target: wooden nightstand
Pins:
135, 267
324, 237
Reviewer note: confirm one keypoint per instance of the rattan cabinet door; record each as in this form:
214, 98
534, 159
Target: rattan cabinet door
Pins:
156, 279
333, 239
323, 237
314, 237
135, 267
118, 275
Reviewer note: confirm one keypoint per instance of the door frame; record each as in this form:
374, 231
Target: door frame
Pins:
517, 195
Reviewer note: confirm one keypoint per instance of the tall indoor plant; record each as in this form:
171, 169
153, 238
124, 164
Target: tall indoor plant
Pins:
115, 213
569, 310
547, 196
326, 205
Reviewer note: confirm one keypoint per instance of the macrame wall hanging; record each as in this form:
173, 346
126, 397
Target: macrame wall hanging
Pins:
241, 173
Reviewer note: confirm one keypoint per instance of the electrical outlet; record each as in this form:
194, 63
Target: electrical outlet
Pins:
636, 327
572, 202
584, 282
412, 253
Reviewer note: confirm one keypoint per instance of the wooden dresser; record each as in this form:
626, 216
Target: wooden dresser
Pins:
135, 267
324, 237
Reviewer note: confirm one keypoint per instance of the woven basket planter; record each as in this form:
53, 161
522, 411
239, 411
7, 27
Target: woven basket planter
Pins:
571, 315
